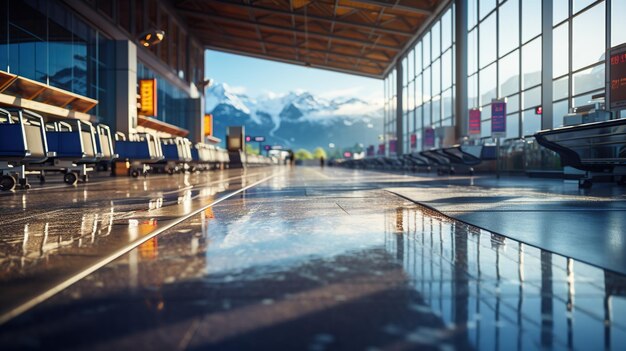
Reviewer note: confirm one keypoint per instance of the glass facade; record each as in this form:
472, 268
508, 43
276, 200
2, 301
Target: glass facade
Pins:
45, 42
504, 60
182, 54
427, 84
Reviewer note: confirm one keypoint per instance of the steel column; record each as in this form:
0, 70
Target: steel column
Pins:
461, 114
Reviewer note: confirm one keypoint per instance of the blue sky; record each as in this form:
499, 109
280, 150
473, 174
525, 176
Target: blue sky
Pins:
255, 77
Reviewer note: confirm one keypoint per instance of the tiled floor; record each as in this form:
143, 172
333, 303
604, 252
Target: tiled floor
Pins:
304, 261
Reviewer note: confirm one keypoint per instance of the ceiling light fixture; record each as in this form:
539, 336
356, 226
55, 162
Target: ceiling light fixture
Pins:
151, 37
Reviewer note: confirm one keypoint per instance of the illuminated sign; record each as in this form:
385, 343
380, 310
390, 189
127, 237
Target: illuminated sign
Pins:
258, 139
208, 124
429, 137
538, 110
148, 97
474, 121
413, 141
267, 147
347, 154
498, 118
617, 77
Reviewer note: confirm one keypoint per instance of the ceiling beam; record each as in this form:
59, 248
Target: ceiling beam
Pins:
287, 46
406, 5
232, 20
312, 17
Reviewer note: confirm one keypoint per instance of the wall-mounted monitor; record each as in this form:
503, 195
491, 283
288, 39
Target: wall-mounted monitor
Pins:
617, 78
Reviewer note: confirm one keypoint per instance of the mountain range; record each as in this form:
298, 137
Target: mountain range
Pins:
296, 119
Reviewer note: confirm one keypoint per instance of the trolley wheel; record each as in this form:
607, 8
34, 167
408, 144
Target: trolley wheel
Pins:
7, 183
25, 186
70, 178
585, 184
134, 173
84, 178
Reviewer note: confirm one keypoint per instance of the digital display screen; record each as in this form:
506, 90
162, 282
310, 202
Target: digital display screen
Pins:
259, 139
617, 77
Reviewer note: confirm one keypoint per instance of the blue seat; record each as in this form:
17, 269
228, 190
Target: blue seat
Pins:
22, 137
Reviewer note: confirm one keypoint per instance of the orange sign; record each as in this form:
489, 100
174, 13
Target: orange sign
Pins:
148, 97
208, 124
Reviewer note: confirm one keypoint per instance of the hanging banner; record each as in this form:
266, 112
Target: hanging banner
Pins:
148, 97
474, 122
413, 141
381, 149
392, 146
429, 138
498, 118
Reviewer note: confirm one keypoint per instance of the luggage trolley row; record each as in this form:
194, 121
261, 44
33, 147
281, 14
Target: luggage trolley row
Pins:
448, 160
30, 146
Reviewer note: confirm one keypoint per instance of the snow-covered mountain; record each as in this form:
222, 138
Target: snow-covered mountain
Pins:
296, 119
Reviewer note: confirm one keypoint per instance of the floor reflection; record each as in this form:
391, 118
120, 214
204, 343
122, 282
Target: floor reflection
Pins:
502, 294
311, 267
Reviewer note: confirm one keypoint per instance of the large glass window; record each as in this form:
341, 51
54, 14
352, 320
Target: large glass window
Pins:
560, 50
531, 64
46, 42
508, 27
531, 19
487, 52
488, 84
618, 24
588, 39
508, 74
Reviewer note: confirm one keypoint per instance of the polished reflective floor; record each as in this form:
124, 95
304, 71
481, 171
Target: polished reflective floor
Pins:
289, 259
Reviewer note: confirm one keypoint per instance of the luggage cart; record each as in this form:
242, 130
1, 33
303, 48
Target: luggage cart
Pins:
200, 157
22, 143
140, 151
595, 148
421, 163
74, 143
104, 145
222, 159
463, 156
176, 155
439, 160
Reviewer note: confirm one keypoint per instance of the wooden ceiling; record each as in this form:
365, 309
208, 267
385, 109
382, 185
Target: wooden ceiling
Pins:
361, 37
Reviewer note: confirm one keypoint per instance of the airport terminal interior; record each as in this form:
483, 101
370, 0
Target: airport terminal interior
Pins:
489, 214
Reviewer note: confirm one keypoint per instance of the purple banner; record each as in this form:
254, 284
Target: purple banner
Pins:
498, 119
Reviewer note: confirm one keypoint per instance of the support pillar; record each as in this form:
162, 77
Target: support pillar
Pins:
126, 86
399, 108
461, 112
546, 64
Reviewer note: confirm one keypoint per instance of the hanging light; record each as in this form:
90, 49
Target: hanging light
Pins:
151, 37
